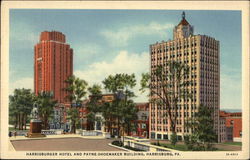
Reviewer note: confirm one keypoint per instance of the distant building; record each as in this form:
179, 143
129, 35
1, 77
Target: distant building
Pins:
142, 123
233, 123
222, 130
53, 64
225, 132
100, 125
202, 54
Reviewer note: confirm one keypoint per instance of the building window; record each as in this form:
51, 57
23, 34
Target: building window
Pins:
159, 136
152, 135
165, 136
231, 122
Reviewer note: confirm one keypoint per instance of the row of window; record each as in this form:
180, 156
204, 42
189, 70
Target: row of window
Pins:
166, 130
171, 48
178, 114
172, 55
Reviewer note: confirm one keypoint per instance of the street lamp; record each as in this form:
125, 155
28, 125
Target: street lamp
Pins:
61, 106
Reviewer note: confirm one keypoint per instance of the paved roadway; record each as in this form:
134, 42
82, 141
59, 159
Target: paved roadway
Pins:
64, 144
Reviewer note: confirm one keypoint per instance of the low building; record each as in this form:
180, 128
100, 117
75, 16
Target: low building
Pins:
233, 124
222, 130
142, 123
59, 120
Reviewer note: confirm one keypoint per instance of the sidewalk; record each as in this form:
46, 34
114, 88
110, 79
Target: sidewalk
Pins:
10, 146
55, 136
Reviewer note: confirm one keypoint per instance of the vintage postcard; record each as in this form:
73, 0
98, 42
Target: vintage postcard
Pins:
125, 80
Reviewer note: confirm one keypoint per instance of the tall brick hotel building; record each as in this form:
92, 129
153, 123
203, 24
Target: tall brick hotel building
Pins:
53, 64
202, 54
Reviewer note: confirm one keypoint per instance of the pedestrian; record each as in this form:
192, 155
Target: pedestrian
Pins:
15, 133
10, 133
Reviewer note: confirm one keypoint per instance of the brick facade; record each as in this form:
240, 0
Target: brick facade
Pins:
142, 122
53, 64
234, 121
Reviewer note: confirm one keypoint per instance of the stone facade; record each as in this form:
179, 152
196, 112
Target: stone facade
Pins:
202, 54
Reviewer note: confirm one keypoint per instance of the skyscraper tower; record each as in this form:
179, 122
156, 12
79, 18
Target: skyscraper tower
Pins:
201, 54
53, 64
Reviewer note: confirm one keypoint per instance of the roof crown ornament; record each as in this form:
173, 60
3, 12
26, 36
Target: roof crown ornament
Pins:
183, 15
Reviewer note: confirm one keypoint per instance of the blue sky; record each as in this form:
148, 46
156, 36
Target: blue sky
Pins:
116, 41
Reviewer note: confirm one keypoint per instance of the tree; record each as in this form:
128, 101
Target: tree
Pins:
167, 85
120, 85
108, 113
203, 134
76, 88
20, 104
73, 116
46, 106
130, 115
94, 105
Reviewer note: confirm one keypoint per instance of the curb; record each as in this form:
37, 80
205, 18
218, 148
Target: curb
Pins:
11, 147
55, 137
125, 149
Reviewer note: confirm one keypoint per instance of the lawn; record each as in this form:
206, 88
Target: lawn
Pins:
233, 143
13, 129
180, 147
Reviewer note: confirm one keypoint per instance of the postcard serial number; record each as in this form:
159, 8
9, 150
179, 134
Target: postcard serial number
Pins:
231, 154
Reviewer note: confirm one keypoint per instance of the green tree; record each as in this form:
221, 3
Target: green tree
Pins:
108, 114
167, 85
120, 85
94, 105
46, 105
130, 115
21, 104
203, 134
76, 88
73, 116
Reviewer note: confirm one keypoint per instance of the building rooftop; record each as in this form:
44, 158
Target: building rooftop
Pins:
183, 21
227, 114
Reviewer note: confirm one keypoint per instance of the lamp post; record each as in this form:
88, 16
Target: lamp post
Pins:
61, 114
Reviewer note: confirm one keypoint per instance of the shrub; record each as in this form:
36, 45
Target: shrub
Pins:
173, 138
131, 148
158, 143
117, 143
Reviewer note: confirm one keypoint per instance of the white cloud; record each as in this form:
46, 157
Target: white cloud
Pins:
124, 62
83, 52
122, 36
26, 82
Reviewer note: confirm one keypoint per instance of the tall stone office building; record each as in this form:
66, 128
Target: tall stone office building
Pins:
53, 64
201, 54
